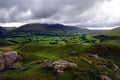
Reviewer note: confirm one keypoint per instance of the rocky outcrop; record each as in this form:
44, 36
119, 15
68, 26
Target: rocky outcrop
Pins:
104, 77
114, 67
72, 53
9, 60
94, 56
60, 65
2, 62
89, 57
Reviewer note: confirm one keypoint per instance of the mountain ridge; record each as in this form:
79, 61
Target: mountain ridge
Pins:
49, 30
40, 27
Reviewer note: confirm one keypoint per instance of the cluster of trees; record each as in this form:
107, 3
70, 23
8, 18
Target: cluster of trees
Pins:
54, 40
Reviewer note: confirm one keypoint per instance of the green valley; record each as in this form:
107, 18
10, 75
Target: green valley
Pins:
58, 56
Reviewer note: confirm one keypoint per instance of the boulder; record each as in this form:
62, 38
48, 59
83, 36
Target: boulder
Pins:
73, 53
91, 56
94, 56
60, 65
2, 62
112, 66
9, 60
104, 77
115, 67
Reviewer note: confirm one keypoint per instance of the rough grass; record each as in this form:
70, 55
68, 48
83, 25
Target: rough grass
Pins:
50, 52
108, 54
8, 48
84, 71
114, 32
108, 49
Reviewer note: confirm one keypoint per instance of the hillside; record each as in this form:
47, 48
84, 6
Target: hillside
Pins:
36, 27
79, 57
49, 30
36, 58
113, 32
2, 31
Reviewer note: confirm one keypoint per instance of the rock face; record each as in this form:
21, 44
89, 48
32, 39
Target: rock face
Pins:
8, 60
60, 65
103, 77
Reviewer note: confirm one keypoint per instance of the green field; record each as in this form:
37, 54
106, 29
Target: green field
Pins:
81, 39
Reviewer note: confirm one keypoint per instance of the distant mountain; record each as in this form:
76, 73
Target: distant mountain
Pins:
2, 31
36, 27
45, 30
49, 30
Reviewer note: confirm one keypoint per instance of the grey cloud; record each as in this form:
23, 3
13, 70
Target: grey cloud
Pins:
63, 11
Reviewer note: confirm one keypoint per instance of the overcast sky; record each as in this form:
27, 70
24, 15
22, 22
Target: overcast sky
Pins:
90, 13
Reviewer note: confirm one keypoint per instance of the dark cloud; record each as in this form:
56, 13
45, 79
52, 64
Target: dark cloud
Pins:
13, 10
84, 12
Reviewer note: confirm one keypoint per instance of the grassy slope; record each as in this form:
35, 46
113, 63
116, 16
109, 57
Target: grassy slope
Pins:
50, 52
2, 31
114, 32
109, 49
108, 52
33, 52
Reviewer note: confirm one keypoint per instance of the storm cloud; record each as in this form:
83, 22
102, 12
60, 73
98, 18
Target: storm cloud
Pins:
74, 12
